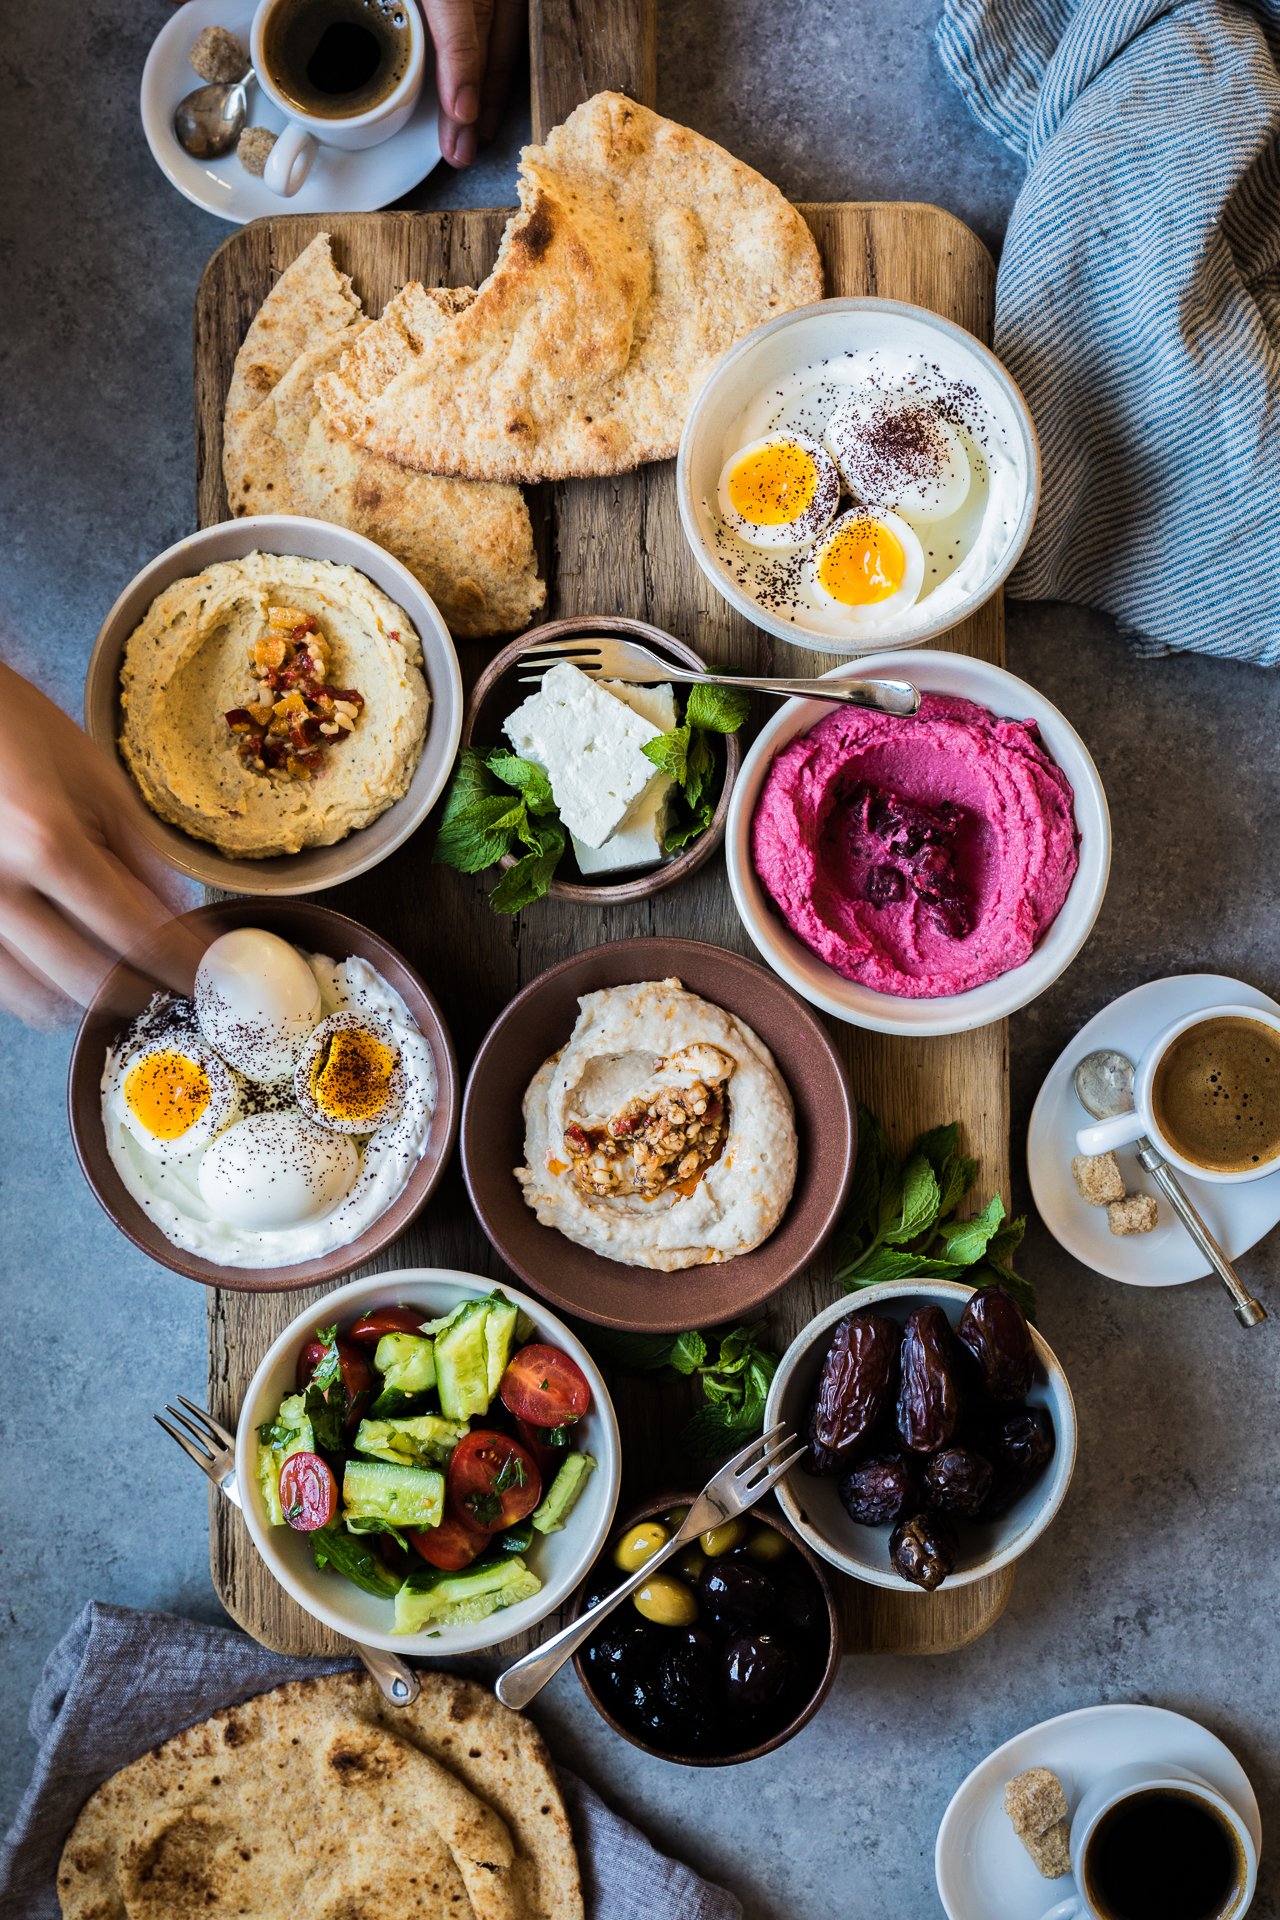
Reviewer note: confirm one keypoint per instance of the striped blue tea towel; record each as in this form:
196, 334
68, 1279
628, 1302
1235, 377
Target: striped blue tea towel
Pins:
1138, 301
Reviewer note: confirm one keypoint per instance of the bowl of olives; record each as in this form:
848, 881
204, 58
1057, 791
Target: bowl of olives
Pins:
941, 1429
726, 1653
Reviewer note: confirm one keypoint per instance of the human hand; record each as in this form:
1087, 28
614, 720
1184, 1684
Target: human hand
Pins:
477, 43
78, 886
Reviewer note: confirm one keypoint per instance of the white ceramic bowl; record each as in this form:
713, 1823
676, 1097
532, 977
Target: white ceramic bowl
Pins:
315, 867
812, 1503
1004, 694
559, 1559
826, 331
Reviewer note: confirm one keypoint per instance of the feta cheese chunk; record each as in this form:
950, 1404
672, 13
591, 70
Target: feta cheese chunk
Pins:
588, 742
638, 841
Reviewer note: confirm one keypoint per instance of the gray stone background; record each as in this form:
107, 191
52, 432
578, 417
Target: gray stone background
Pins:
1158, 1581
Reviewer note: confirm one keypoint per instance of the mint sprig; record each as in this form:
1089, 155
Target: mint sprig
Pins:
499, 803
735, 1384
686, 756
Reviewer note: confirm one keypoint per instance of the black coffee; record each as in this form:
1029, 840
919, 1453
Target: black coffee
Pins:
337, 58
1163, 1855
1216, 1094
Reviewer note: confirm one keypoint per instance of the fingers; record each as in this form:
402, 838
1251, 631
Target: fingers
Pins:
460, 51
43, 942
506, 37
98, 890
29, 998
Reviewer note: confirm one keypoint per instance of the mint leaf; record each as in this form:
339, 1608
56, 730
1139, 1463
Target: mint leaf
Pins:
670, 753
717, 709
688, 1351
955, 1182
686, 827
480, 820
939, 1147
918, 1208
526, 776
966, 1241
700, 772
894, 1263
531, 875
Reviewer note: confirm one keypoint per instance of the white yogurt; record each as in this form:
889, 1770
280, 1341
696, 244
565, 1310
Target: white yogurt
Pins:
169, 1190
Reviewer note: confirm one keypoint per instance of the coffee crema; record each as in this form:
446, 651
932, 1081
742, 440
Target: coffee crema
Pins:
1216, 1094
334, 59
1164, 1855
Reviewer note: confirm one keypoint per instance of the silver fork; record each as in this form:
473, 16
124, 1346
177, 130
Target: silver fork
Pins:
627, 660
207, 1442
736, 1488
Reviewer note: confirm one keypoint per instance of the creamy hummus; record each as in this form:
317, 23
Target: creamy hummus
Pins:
663, 1134
187, 665
920, 856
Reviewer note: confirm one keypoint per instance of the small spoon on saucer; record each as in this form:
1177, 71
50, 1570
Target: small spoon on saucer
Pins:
1104, 1086
208, 122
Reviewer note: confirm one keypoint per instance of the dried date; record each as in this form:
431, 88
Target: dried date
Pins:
924, 1550
993, 1329
877, 1492
855, 1389
957, 1480
1024, 1446
928, 1397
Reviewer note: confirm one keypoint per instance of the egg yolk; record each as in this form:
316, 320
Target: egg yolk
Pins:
351, 1078
166, 1093
862, 564
773, 485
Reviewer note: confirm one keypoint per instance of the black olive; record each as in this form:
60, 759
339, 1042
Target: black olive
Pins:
734, 1594
620, 1654
686, 1686
800, 1604
756, 1669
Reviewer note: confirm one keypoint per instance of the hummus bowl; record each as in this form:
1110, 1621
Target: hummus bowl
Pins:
511, 1070
812, 1502
956, 677
788, 378
298, 540
125, 993
560, 1559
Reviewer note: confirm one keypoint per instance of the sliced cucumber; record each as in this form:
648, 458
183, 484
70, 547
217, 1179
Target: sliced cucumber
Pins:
431, 1598
462, 1363
562, 1495
499, 1338
290, 1432
409, 1497
423, 1440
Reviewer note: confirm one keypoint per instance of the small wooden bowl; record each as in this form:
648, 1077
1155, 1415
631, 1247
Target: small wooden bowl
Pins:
496, 694
766, 1516
573, 1278
125, 992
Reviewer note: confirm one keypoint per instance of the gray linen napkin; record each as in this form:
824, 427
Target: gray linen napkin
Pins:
119, 1682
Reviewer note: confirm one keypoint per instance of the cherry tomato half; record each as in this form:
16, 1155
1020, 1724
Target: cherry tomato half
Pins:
370, 1327
492, 1481
451, 1545
546, 1458
308, 1492
545, 1387
357, 1376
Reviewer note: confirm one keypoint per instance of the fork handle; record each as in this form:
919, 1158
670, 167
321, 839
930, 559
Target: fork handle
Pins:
398, 1684
887, 696
530, 1674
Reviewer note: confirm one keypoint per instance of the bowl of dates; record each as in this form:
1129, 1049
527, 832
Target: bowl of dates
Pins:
726, 1653
942, 1433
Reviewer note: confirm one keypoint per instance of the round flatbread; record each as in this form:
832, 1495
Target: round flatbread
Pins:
318, 1799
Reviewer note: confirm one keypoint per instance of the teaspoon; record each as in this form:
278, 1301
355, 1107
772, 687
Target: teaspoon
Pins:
208, 122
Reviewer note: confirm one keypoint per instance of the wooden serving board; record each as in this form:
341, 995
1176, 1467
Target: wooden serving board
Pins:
608, 546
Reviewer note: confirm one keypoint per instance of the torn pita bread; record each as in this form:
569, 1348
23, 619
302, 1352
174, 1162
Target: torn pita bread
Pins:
470, 544
640, 253
317, 1799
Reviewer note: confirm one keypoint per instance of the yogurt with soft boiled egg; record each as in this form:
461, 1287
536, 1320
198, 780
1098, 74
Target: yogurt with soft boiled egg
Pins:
261, 1183
928, 487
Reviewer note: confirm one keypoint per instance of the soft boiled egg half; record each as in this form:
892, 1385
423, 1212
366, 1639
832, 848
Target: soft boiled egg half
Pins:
779, 492
894, 452
175, 1095
870, 565
349, 1077
256, 1001
276, 1170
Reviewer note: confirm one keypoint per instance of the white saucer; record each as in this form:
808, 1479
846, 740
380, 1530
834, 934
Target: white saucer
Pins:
337, 183
983, 1870
1238, 1216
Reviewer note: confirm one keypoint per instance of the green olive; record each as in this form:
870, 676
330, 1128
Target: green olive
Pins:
667, 1602
690, 1563
676, 1518
766, 1544
639, 1544
724, 1539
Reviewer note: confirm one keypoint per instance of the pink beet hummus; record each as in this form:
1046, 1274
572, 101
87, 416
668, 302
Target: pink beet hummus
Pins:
919, 857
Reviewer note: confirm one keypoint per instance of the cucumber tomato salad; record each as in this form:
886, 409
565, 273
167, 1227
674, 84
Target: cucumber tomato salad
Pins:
424, 1458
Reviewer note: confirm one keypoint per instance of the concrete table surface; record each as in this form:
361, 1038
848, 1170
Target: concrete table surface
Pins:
1157, 1583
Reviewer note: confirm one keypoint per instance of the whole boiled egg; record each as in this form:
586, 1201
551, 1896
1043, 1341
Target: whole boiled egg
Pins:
256, 1000
779, 492
275, 1170
870, 565
174, 1095
897, 452
349, 1076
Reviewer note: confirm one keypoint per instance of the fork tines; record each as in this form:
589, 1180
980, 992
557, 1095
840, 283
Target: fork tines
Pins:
202, 1438
765, 1461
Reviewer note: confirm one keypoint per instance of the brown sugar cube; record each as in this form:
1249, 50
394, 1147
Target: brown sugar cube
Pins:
1051, 1850
1098, 1177
1037, 1807
1136, 1213
252, 148
218, 55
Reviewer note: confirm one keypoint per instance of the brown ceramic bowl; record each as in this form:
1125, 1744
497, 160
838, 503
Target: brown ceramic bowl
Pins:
497, 693
767, 1516
125, 992
537, 1024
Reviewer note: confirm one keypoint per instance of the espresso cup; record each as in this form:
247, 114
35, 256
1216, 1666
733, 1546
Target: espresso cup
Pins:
289, 161
1122, 1129
1088, 1900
